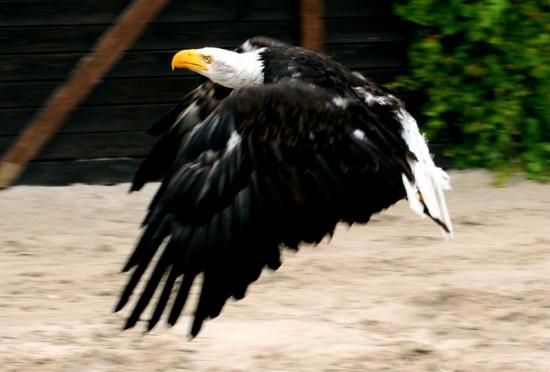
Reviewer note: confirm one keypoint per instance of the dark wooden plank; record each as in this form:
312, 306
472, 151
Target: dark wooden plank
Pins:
110, 92
147, 64
78, 143
97, 171
92, 145
363, 29
356, 8
91, 119
134, 117
177, 36
228, 10
15, 40
58, 12
72, 12
382, 76
108, 50
173, 36
53, 66
117, 170
37, 66
370, 55
157, 63
43, 39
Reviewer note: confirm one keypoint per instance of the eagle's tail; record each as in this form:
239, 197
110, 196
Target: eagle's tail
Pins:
426, 192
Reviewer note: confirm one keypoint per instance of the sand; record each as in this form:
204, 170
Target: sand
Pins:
389, 296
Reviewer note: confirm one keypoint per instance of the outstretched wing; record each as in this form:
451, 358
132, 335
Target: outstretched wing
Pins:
174, 127
271, 166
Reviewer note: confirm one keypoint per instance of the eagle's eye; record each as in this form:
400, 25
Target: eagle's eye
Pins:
207, 59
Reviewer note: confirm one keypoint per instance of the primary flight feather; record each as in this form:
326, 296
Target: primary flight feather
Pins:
277, 147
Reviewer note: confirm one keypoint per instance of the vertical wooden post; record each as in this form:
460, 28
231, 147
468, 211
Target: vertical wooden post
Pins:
311, 13
84, 77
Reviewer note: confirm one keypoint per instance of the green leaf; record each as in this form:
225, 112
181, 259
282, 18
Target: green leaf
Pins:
485, 68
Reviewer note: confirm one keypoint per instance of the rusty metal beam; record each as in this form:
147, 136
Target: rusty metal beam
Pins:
84, 77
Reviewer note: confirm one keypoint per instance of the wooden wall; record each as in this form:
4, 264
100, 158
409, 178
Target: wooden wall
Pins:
103, 141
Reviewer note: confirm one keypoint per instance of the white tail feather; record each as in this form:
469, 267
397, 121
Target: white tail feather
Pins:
430, 181
425, 193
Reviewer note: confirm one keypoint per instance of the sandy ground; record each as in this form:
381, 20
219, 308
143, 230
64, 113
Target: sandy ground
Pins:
388, 296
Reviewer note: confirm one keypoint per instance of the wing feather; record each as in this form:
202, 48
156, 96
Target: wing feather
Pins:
228, 206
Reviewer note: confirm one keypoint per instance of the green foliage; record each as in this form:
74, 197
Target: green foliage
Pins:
485, 67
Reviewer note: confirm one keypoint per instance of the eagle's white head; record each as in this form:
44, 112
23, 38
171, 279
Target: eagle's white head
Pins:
224, 67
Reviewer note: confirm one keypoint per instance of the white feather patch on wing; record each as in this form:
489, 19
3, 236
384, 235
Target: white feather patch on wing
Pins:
430, 180
340, 102
412, 196
359, 134
371, 99
233, 140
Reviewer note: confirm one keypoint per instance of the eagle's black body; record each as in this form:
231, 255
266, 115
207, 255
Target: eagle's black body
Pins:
227, 206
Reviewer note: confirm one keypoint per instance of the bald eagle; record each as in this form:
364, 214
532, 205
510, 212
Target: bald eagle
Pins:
277, 147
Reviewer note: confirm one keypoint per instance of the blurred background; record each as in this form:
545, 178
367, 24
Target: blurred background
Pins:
476, 74
43, 40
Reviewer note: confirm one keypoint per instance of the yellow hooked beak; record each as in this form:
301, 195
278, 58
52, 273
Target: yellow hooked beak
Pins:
191, 60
